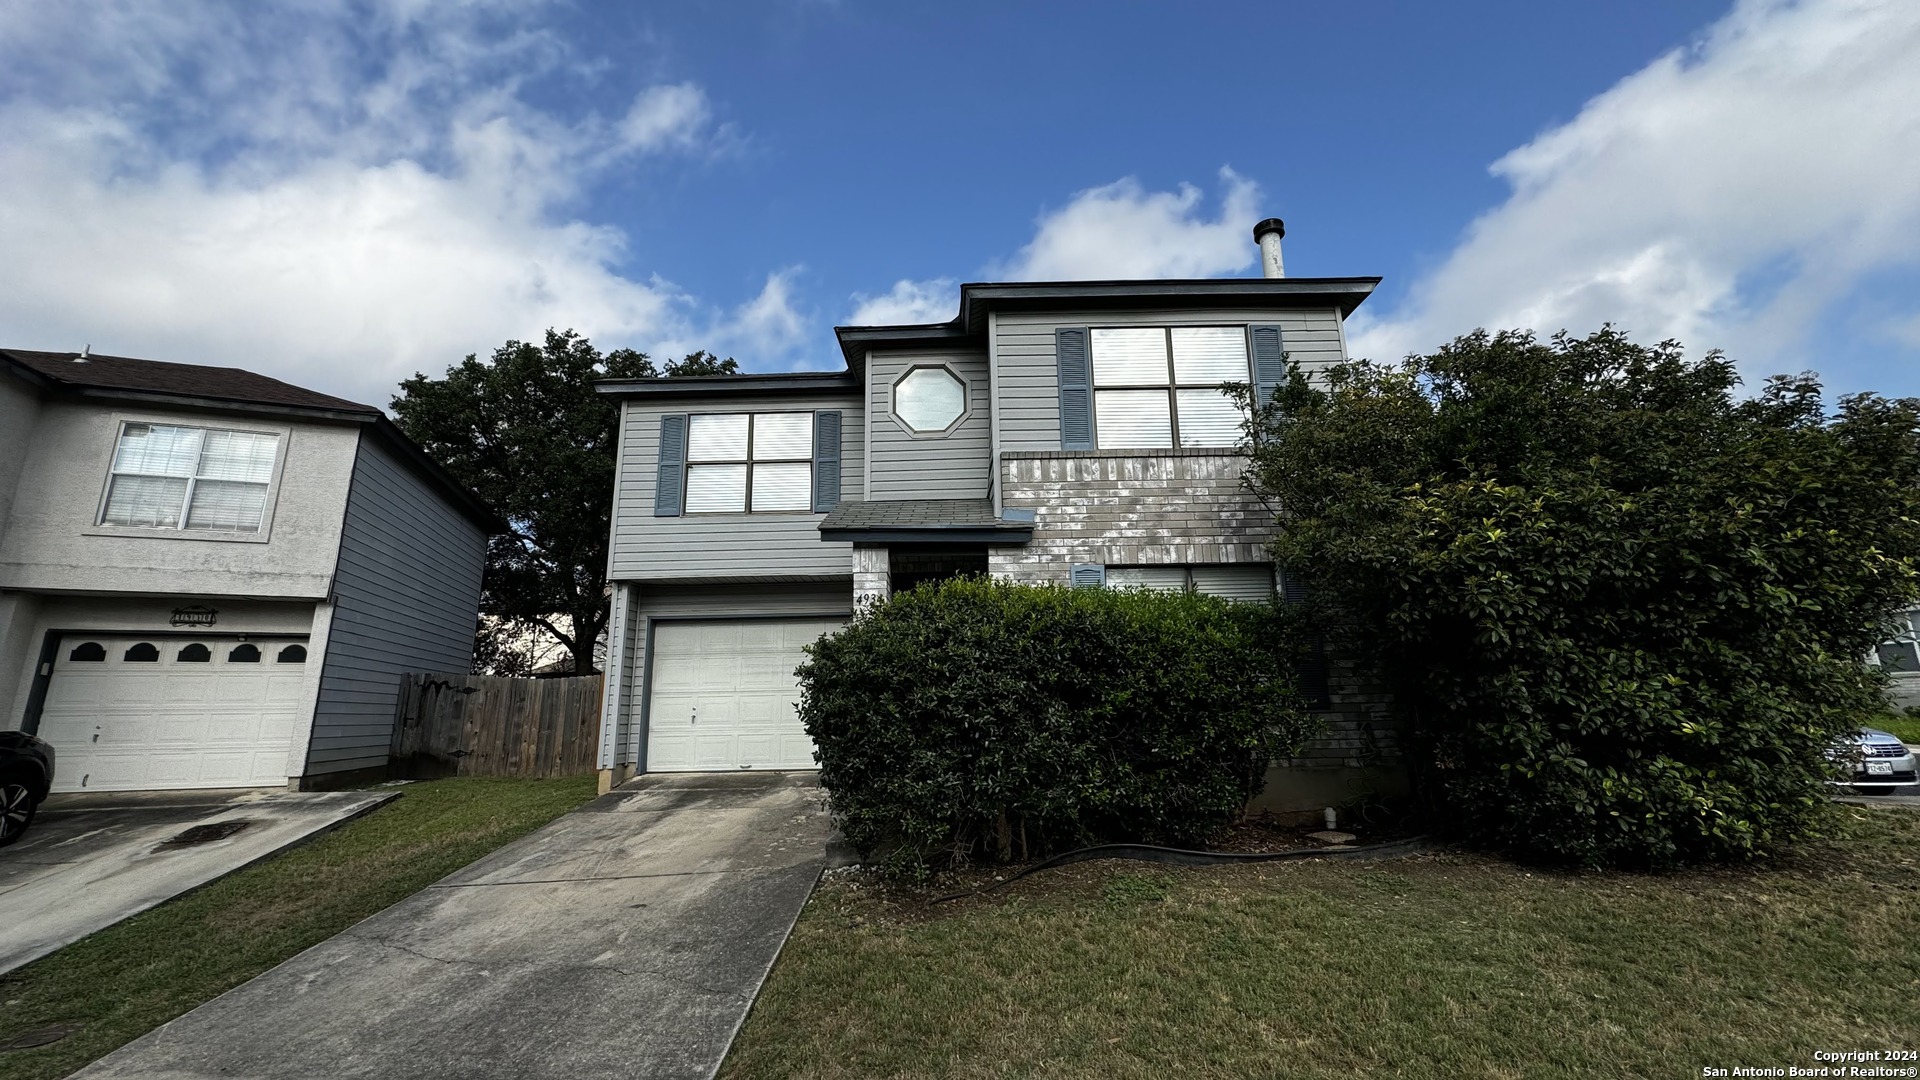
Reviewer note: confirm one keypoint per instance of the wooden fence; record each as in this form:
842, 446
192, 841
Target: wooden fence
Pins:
482, 725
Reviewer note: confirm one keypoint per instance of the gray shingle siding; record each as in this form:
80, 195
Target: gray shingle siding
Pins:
718, 546
956, 465
406, 593
1023, 348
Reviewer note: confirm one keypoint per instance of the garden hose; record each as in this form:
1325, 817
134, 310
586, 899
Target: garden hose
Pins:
1184, 857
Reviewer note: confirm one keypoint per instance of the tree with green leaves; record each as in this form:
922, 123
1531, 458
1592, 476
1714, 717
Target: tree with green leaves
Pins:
527, 432
1624, 606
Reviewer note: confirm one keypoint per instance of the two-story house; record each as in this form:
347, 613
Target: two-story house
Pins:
1070, 432
210, 578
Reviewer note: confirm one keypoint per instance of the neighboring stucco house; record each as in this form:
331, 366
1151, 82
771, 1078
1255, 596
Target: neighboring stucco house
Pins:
1050, 432
210, 578
1899, 657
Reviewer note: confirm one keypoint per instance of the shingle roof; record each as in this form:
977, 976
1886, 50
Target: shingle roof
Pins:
183, 380
923, 520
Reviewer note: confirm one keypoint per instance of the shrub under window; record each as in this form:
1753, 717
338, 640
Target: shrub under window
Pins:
973, 718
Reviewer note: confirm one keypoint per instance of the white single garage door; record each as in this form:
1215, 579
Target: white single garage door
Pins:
724, 696
137, 713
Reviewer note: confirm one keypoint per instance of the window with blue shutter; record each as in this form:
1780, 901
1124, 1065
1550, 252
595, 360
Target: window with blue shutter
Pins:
669, 485
1313, 668
1269, 361
826, 460
1087, 575
1076, 387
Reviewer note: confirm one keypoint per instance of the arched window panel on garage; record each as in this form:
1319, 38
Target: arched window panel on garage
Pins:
292, 654
244, 654
88, 652
196, 653
144, 652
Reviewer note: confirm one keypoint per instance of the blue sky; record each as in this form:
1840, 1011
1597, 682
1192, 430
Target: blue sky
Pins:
342, 194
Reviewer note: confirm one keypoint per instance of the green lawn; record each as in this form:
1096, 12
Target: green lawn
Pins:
1441, 966
1907, 728
138, 974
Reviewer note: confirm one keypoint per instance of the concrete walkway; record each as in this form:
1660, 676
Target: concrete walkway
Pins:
627, 938
91, 860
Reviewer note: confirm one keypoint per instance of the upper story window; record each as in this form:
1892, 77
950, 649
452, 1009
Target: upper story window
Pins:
929, 399
168, 476
1155, 388
749, 462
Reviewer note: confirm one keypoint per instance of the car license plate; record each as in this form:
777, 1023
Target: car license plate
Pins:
1879, 768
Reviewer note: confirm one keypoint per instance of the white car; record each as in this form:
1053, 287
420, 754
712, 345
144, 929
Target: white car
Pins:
1880, 762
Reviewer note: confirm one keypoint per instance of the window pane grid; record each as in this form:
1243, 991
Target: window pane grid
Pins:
169, 476
1158, 387
749, 462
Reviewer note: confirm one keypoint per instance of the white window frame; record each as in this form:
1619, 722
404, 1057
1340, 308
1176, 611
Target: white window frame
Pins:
689, 464
99, 526
1172, 386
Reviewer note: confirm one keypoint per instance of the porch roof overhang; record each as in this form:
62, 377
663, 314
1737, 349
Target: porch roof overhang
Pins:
926, 521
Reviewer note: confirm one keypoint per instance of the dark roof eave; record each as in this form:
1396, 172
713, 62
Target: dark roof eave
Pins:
928, 534
805, 382
212, 403
978, 298
1345, 293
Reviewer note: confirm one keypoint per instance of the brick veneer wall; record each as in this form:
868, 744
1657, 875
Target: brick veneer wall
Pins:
1172, 507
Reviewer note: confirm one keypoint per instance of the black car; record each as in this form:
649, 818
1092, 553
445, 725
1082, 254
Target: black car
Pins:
26, 775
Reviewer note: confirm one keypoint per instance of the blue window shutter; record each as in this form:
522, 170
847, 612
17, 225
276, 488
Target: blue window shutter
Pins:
826, 460
670, 480
1269, 361
1076, 387
1313, 668
1088, 576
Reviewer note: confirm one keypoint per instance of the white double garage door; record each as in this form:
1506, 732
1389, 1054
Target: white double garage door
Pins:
722, 695
131, 713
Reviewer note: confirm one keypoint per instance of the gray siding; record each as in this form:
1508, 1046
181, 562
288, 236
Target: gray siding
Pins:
406, 597
709, 546
713, 601
19, 411
1029, 391
957, 465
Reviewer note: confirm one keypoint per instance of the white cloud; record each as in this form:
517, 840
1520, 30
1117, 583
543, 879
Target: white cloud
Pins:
338, 197
1116, 231
908, 303
1121, 230
1724, 195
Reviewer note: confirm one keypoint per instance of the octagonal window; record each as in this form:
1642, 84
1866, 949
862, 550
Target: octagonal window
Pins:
929, 399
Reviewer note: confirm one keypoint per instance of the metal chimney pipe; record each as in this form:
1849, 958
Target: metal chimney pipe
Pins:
1267, 234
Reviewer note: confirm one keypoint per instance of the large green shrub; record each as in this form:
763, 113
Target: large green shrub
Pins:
974, 718
1626, 607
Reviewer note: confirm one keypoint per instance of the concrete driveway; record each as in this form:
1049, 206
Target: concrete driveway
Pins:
627, 938
90, 860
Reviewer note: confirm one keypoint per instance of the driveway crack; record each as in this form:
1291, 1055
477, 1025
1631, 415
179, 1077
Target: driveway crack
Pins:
717, 991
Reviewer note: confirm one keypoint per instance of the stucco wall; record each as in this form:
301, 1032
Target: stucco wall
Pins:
52, 542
